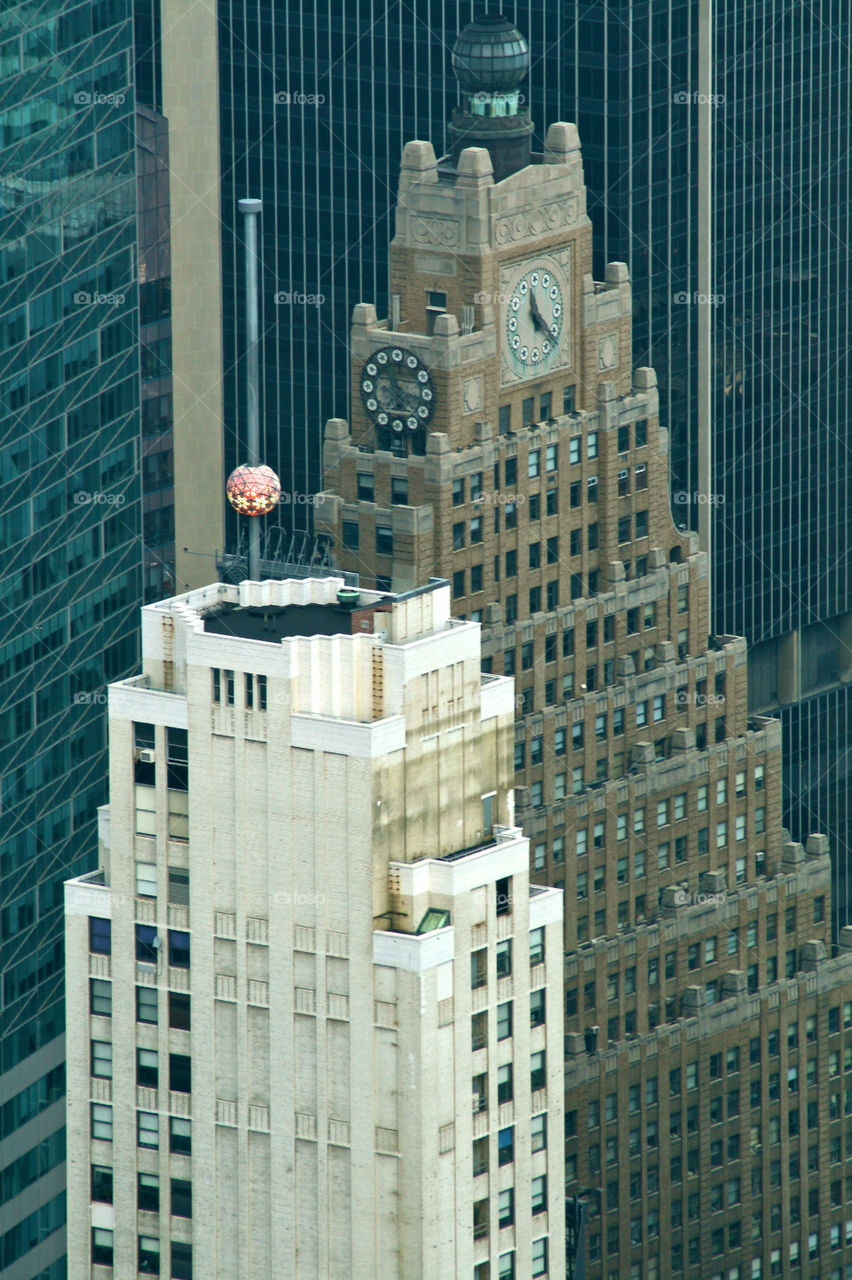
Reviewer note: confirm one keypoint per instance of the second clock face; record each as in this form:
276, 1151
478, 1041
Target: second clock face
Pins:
535, 316
535, 302
397, 390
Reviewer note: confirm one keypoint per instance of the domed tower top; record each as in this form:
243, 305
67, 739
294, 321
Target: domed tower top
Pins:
490, 59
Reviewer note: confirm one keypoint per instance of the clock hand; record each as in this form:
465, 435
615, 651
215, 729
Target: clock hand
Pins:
537, 317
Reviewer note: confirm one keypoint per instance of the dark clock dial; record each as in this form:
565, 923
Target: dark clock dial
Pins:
397, 390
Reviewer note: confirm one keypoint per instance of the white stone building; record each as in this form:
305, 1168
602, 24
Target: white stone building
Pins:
314, 1004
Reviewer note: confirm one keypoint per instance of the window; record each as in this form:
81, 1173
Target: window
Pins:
180, 1073
384, 540
149, 1255
148, 1192
592, 444
504, 418
147, 1073
178, 948
180, 1136
146, 880
506, 1266
504, 1020
101, 1059
100, 997
101, 1119
101, 1247
148, 1129
100, 935
181, 1198
181, 1261
539, 1194
479, 968
365, 487
536, 947
146, 1004
534, 463
504, 958
538, 1076
537, 1007
506, 1207
102, 1183
505, 1145
505, 1085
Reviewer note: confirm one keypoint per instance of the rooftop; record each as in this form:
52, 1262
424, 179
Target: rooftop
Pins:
274, 624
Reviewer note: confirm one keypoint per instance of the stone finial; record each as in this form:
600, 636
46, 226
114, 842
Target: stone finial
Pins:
644, 379
336, 429
446, 326
474, 164
365, 314
817, 846
812, 953
617, 273
418, 164
561, 144
792, 853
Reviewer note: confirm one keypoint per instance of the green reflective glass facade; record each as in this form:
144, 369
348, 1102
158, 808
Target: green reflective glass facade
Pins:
70, 532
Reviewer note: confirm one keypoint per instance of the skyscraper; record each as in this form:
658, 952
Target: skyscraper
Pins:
314, 1003
70, 578
643, 79
502, 438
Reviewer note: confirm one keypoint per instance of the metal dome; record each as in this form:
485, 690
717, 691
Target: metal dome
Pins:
490, 56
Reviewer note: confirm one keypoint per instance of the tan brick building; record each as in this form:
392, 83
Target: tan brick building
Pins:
708, 1017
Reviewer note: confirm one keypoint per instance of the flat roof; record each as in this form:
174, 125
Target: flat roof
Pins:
273, 623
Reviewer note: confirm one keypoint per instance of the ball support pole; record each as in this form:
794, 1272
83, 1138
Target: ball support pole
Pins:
250, 209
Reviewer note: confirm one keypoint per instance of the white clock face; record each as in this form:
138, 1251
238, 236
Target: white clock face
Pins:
534, 322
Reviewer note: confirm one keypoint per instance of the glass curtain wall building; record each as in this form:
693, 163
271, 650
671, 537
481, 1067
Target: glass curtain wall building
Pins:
779, 96
70, 531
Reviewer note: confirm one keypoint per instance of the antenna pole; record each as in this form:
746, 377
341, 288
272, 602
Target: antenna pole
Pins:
251, 211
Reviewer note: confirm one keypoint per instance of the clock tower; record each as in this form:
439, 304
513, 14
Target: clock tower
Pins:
496, 329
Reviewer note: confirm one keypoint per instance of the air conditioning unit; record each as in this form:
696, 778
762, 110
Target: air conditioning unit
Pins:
146, 755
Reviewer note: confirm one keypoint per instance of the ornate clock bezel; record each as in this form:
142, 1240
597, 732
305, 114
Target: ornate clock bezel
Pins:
558, 263
397, 425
